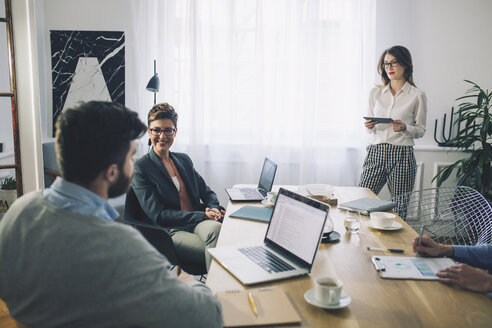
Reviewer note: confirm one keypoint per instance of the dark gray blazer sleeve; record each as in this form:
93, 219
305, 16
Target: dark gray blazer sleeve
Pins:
159, 197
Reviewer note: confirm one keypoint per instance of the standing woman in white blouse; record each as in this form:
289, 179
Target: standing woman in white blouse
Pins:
390, 156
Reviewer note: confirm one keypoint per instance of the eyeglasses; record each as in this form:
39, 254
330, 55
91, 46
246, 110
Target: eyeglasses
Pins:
392, 63
167, 131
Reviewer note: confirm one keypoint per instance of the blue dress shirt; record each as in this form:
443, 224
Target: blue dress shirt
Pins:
478, 256
78, 199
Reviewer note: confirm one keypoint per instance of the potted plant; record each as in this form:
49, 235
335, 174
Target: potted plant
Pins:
474, 135
8, 191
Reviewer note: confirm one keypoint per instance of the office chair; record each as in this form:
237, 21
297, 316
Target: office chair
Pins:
51, 169
451, 215
157, 235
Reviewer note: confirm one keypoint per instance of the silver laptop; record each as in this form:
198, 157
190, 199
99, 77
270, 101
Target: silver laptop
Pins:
290, 245
256, 194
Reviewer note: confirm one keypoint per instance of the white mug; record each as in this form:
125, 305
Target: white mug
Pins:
382, 219
327, 290
271, 197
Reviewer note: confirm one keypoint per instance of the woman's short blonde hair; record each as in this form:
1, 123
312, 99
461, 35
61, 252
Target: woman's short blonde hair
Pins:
162, 111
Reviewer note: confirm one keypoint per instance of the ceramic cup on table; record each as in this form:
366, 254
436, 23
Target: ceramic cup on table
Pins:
327, 290
271, 197
382, 219
320, 192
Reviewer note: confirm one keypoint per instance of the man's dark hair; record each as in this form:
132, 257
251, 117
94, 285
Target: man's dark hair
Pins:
92, 136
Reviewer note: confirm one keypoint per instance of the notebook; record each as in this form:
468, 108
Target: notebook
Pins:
272, 305
367, 205
289, 246
255, 213
264, 185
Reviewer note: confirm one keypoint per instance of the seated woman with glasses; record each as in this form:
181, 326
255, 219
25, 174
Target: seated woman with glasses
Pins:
173, 194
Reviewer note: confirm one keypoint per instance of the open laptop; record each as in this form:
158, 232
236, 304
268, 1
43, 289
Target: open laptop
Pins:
256, 194
290, 245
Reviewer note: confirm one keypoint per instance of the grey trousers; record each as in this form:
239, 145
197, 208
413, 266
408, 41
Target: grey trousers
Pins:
192, 245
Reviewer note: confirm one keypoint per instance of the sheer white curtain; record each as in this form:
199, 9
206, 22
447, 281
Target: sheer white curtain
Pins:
285, 79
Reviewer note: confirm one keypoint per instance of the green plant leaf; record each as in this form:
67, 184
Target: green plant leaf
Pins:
480, 99
468, 108
465, 97
443, 175
473, 122
8, 183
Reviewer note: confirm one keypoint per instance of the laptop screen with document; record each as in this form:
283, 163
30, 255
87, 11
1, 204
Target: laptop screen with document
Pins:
296, 225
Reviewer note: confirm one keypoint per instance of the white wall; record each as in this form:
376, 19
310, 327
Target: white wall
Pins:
27, 94
449, 41
6, 134
87, 15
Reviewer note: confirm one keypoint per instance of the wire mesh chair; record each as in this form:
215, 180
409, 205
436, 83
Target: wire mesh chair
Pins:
450, 215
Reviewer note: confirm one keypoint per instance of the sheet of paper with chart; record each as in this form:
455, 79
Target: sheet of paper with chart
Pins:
402, 267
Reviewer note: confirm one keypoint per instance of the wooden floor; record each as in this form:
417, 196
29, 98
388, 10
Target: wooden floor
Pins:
5, 320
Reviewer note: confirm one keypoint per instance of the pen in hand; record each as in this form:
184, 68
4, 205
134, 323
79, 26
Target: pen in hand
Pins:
252, 303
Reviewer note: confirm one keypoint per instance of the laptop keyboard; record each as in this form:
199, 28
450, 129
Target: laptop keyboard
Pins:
266, 259
250, 193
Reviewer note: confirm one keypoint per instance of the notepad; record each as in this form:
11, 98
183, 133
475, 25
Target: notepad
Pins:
256, 213
404, 267
272, 304
367, 205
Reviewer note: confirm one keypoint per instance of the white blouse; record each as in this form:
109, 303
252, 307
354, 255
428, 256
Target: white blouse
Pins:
176, 183
409, 105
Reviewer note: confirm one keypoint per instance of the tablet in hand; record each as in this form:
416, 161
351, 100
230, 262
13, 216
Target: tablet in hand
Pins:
379, 119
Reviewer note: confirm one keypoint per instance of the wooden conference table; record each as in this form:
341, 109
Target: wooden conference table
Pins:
375, 302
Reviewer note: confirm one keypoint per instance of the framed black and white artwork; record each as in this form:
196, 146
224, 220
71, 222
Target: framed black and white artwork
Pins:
86, 65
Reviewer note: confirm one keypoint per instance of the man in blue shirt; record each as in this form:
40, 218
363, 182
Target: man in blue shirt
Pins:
65, 262
469, 274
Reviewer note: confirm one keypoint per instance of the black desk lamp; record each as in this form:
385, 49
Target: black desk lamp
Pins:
153, 85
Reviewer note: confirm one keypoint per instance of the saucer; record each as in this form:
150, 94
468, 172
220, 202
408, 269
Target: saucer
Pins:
266, 203
344, 301
394, 226
330, 237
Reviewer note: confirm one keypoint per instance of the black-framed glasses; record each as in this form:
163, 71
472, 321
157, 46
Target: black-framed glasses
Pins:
167, 131
392, 63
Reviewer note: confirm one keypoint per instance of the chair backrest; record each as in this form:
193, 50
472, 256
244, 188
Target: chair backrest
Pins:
452, 215
134, 214
51, 169
155, 234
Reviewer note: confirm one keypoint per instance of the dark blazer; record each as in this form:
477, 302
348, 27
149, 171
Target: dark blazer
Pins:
159, 197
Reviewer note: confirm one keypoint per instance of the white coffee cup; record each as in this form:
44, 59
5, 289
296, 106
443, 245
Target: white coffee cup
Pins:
271, 197
382, 219
327, 290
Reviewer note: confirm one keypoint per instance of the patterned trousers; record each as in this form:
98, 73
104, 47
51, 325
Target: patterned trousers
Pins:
390, 164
